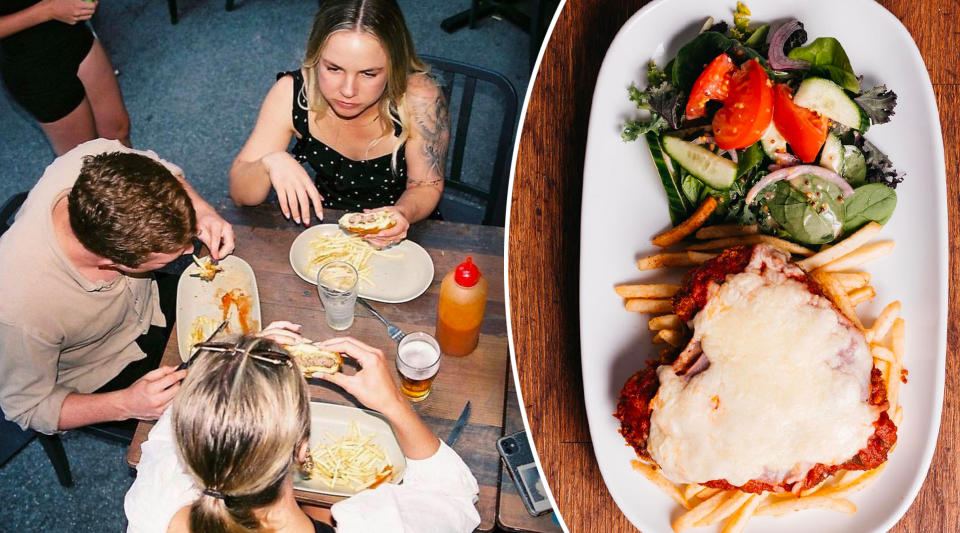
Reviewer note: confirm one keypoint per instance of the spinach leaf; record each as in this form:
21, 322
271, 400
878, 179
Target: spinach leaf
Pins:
827, 59
692, 188
871, 202
811, 220
854, 166
696, 55
878, 104
750, 158
678, 205
758, 38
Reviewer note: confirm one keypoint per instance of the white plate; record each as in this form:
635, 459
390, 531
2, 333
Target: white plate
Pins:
401, 274
333, 419
196, 298
624, 206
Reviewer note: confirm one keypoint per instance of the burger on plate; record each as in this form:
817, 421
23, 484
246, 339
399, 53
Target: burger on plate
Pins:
775, 391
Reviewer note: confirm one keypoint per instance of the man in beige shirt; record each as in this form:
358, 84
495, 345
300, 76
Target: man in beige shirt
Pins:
76, 289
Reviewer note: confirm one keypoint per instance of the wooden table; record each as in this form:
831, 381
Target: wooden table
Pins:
264, 239
511, 513
545, 243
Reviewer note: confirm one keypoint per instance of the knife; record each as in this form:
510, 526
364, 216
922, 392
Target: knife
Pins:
458, 427
187, 363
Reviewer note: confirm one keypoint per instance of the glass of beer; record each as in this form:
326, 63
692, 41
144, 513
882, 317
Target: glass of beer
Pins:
418, 360
337, 283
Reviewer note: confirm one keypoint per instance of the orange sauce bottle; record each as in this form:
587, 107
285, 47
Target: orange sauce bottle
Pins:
463, 298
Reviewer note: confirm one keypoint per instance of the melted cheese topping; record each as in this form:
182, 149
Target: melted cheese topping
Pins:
786, 388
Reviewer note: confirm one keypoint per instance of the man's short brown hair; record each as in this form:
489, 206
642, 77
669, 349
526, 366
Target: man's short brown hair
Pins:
125, 206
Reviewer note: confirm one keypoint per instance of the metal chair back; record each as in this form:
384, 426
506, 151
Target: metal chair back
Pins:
488, 191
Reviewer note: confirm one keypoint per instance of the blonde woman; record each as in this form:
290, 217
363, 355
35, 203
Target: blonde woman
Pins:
366, 117
223, 457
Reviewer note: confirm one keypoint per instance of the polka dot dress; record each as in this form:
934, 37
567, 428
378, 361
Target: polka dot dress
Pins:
343, 182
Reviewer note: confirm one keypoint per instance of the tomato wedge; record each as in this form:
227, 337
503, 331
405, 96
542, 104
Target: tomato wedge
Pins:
712, 84
747, 110
805, 130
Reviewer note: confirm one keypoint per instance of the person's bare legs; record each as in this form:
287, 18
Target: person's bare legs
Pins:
75, 128
103, 92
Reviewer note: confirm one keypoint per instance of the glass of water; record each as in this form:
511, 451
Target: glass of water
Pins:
337, 283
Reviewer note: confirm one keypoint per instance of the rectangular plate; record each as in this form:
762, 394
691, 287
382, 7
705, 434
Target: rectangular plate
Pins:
624, 207
196, 297
333, 419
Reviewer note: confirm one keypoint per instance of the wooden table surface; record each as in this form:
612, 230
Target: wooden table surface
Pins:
263, 239
544, 278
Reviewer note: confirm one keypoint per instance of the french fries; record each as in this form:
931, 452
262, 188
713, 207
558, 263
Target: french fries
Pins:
665, 322
688, 226
725, 230
860, 256
339, 246
672, 337
863, 294
656, 290
352, 460
830, 268
851, 243
644, 305
834, 290
720, 244
811, 502
657, 478
673, 259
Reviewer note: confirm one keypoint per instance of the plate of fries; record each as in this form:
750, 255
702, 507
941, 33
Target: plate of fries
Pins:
231, 295
396, 274
890, 281
350, 450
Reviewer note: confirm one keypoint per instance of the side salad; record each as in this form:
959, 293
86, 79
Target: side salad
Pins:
772, 127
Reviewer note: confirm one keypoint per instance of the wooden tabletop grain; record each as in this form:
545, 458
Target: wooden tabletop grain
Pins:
544, 256
263, 240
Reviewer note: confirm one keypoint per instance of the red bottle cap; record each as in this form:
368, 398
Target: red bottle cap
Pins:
467, 274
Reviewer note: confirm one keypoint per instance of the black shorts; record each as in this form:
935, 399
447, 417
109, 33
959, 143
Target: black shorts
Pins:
39, 67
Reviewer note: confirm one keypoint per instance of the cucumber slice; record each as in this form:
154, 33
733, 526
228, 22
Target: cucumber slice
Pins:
831, 157
773, 142
830, 100
717, 172
854, 166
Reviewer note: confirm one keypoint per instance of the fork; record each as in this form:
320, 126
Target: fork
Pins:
394, 332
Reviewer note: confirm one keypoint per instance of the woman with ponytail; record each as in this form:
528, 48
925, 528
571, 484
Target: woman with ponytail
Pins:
222, 458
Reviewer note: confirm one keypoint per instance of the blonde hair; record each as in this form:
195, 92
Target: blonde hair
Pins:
238, 421
383, 20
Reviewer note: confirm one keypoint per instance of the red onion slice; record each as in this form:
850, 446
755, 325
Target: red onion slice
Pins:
799, 170
777, 59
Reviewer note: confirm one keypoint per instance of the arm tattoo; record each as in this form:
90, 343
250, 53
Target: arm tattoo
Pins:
432, 120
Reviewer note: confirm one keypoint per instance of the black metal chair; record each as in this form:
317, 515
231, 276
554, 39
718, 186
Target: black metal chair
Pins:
488, 192
12, 438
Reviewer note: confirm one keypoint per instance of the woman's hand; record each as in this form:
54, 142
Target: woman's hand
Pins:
282, 332
393, 234
70, 11
295, 189
373, 383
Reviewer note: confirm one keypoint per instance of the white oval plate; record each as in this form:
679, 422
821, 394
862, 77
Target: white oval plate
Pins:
621, 189
333, 419
404, 272
196, 297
